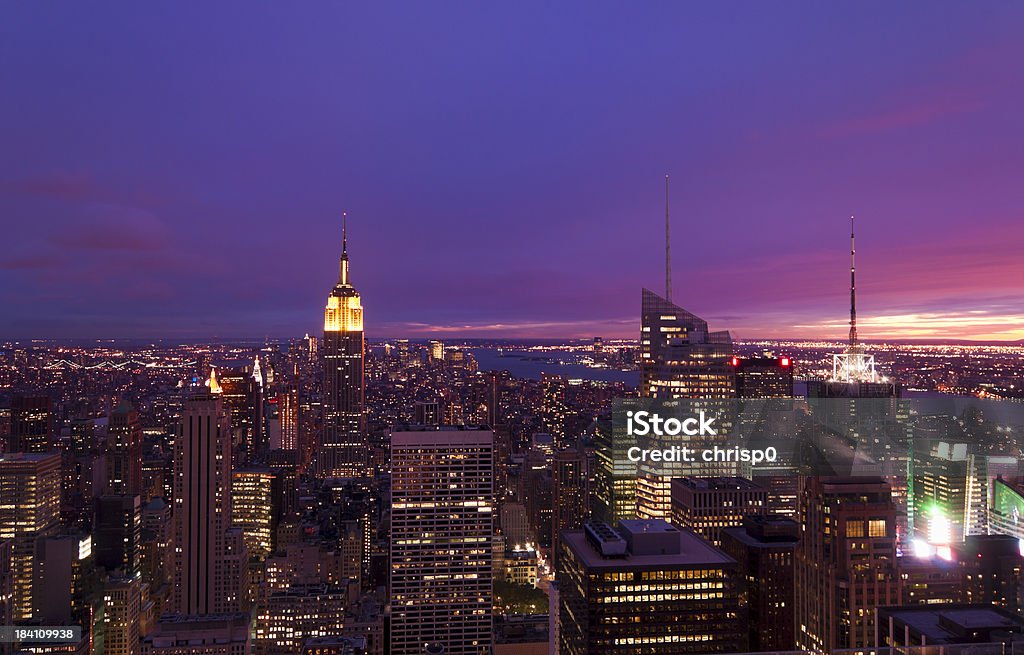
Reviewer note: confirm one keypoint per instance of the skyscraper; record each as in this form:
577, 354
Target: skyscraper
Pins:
343, 450
764, 548
202, 509
553, 408
681, 359
117, 535
569, 495
255, 508
679, 356
124, 451
845, 563
29, 511
31, 425
442, 514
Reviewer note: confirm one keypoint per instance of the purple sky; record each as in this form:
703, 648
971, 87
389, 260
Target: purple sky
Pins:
179, 169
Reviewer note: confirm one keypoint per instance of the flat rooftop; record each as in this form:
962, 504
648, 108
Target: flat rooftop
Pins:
694, 552
949, 623
717, 484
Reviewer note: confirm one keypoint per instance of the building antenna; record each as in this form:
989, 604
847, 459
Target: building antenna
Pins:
343, 264
853, 289
668, 249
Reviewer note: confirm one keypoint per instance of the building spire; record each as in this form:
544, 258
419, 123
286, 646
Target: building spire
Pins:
853, 289
668, 249
343, 266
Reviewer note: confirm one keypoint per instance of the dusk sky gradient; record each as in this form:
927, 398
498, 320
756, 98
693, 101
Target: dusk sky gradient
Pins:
179, 170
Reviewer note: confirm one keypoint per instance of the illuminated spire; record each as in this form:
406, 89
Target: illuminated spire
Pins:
212, 382
668, 250
853, 290
257, 374
343, 272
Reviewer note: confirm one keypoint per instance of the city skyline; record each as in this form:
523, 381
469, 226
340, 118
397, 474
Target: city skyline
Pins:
503, 172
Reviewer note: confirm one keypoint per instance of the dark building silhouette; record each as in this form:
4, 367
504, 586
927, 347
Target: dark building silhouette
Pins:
124, 451
31, 425
763, 377
765, 549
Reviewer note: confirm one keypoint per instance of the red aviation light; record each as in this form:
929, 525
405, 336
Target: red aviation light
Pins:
735, 361
785, 361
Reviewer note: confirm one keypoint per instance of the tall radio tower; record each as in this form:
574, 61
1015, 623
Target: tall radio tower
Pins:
853, 365
668, 250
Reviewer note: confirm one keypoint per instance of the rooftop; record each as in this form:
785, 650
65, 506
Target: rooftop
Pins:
693, 551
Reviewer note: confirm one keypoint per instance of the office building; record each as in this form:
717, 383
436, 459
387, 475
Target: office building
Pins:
569, 495
553, 408
845, 563
31, 425
122, 614
124, 451
215, 634
709, 505
256, 508
65, 580
950, 492
343, 451
436, 349
30, 485
292, 616
241, 392
991, 565
6, 587
647, 587
904, 627
442, 512
680, 358
615, 480
765, 549
203, 580
118, 534
763, 377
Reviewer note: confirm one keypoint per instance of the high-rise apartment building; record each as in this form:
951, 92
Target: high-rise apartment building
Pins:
343, 450
30, 486
442, 514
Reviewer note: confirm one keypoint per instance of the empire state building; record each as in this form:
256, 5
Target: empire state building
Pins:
343, 451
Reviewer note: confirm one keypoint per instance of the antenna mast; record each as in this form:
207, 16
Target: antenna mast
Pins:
668, 249
853, 289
